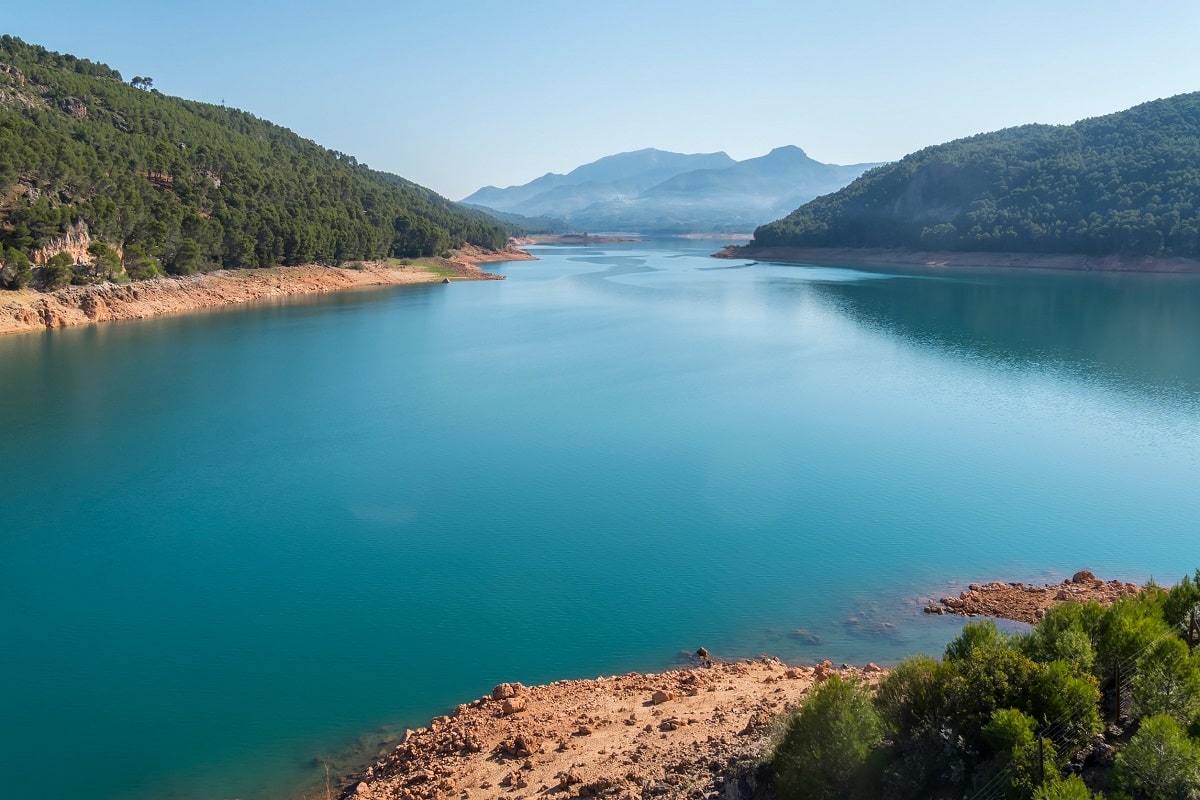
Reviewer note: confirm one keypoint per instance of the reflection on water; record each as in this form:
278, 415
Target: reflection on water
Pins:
1132, 330
234, 542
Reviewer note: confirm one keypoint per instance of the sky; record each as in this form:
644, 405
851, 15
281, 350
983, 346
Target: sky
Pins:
458, 94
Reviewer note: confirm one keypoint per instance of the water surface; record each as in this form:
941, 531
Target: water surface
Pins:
231, 543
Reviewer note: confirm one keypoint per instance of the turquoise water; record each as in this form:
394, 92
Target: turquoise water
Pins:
234, 542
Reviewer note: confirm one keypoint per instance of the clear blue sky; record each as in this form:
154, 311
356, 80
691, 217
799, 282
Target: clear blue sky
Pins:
456, 94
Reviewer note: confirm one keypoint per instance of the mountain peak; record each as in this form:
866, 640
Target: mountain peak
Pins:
788, 150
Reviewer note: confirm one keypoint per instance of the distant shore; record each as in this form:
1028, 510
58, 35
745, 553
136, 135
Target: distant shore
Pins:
26, 311
946, 258
576, 238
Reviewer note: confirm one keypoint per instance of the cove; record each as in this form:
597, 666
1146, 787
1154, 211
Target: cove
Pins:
232, 543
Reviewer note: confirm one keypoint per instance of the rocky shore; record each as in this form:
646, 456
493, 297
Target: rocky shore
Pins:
27, 310
678, 734
1022, 603
937, 258
698, 732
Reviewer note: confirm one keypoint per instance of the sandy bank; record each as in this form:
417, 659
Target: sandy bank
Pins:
878, 256
28, 310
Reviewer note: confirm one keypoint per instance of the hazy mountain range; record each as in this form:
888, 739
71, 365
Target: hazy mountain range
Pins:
654, 191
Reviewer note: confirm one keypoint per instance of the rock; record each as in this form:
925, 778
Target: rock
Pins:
662, 696
506, 690
513, 705
1083, 576
702, 653
872, 667
74, 107
362, 788
568, 779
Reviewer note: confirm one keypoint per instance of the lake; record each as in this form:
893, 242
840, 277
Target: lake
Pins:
233, 543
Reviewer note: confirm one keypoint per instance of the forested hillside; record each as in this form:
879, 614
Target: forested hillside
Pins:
162, 184
1126, 183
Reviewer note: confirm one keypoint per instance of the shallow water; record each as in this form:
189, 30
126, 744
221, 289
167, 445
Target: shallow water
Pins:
234, 542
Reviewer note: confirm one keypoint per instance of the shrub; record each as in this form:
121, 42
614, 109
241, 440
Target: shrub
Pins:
57, 272
1159, 763
825, 752
15, 272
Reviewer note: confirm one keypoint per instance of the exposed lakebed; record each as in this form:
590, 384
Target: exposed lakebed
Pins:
233, 542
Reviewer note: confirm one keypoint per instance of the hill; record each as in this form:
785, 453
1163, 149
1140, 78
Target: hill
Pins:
128, 180
652, 191
1122, 184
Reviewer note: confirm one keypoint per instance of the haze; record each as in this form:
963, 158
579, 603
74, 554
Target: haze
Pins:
460, 94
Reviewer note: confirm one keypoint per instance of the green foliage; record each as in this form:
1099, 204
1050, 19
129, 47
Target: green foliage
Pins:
1124, 183
105, 266
150, 172
1000, 713
909, 699
1168, 681
1182, 600
57, 272
1159, 763
15, 271
188, 259
1126, 630
138, 265
1062, 636
1072, 788
827, 745
1010, 734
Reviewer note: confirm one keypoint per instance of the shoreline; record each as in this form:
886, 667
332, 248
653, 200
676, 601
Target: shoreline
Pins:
28, 311
706, 727
667, 734
869, 256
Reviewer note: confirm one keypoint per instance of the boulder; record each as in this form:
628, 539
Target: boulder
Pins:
506, 690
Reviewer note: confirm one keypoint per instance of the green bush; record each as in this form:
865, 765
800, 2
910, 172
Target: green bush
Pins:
1159, 763
1072, 788
15, 272
57, 272
1168, 681
824, 754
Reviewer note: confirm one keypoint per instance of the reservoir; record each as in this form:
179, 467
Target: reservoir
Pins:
233, 543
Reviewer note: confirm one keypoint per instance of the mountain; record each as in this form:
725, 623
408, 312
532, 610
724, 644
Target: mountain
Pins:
166, 184
611, 178
656, 191
1127, 183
